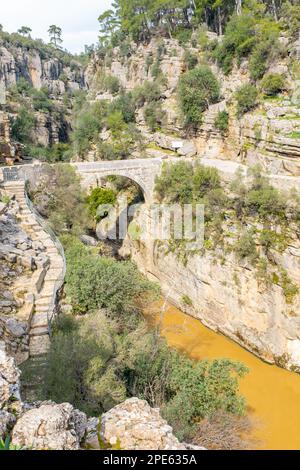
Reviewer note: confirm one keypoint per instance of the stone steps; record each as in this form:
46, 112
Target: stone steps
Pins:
39, 339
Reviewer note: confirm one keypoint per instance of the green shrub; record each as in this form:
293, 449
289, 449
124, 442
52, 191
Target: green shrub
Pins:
273, 83
154, 116
94, 283
180, 182
175, 184
146, 93
125, 104
115, 123
291, 18
95, 365
239, 39
183, 36
222, 121
60, 152
205, 179
197, 89
155, 70
87, 125
40, 100
23, 125
245, 247
265, 201
246, 98
100, 196
111, 84
259, 61
190, 59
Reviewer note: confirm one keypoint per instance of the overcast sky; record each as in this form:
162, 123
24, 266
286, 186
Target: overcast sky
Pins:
77, 18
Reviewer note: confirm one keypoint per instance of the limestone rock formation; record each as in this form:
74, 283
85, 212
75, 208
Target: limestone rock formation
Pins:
50, 426
134, 425
226, 295
9, 383
7, 421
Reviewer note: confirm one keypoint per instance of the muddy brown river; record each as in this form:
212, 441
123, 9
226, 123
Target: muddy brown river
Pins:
272, 393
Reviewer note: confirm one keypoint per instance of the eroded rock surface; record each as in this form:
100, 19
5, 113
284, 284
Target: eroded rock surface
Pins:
51, 426
134, 425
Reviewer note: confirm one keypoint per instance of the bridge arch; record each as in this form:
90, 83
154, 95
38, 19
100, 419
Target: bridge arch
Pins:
141, 171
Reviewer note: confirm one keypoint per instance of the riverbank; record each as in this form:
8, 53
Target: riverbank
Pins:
272, 393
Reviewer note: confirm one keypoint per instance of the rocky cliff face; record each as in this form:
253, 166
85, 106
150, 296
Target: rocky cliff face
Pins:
41, 70
269, 135
226, 294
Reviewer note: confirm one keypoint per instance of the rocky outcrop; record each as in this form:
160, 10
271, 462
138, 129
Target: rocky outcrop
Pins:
9, 384
10, 401
268, 135
134, 425
50, 427
39, 70
43, 68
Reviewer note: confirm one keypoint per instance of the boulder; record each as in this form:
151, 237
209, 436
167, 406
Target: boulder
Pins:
7, 420
51, 426
188, 149
134, 425
89, 241
9, 382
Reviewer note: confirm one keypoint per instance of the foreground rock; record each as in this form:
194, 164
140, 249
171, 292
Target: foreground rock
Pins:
9, 383
134, 425
51, 426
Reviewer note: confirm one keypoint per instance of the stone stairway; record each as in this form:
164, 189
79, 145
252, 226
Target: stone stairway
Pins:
39, 339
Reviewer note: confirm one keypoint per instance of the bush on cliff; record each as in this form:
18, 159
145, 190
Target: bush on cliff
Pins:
222, 121
272, 84
182, 183
197, 89
246, 98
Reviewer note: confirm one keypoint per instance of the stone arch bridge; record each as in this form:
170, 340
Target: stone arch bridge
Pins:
141, 171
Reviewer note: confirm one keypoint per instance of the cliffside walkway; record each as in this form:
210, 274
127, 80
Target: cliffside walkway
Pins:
45, 299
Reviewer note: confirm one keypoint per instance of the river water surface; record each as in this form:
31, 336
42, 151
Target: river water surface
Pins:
272, 393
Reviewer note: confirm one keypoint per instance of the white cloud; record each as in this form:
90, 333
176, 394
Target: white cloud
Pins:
77, 18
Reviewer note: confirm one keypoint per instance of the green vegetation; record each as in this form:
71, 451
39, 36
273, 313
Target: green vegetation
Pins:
93, 282
154, 116
100, 196
251, 34
117, 116
6, 444
182, 183
55, 33
246, 98
190, 59
59, 198
98, 360
46, 51
197, 89
222, 121
246, 208
140, 20
60, 152
23, 126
